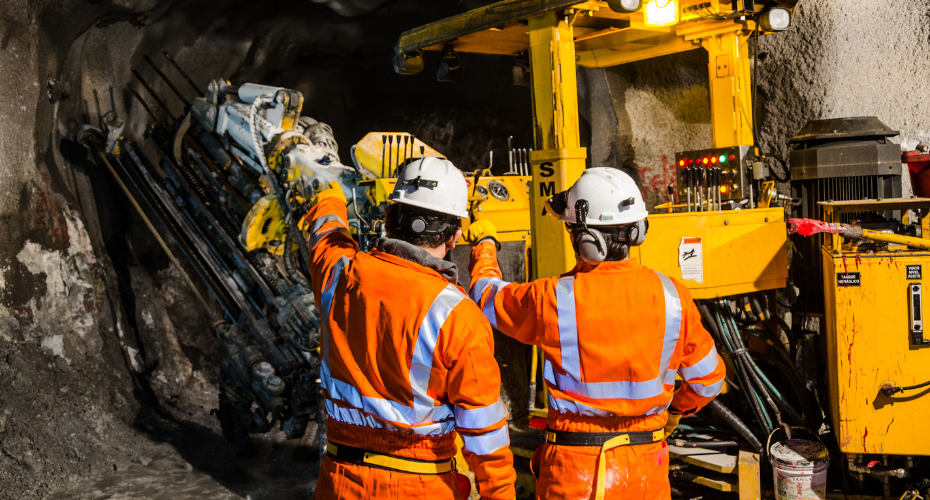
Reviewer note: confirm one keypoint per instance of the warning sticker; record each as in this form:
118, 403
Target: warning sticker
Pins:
691, 259
848, 279
914, 272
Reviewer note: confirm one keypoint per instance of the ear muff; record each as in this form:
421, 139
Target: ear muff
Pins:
418, 225
591, 246
636, 234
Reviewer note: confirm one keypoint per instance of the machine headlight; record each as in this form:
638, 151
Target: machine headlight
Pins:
661, 12
408, 64
625, 6
450, 66
775, 19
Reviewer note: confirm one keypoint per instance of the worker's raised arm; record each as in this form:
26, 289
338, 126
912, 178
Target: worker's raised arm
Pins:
702, 370
327, 226
480, 416
511, 308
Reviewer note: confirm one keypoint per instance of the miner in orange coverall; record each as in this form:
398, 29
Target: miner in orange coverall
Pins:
407, 358
614, 335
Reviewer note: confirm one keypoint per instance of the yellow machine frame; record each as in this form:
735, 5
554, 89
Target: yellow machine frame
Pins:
868, 338
560, 34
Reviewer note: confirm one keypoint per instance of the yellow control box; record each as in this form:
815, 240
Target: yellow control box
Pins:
504, 201
716, 254
870, 319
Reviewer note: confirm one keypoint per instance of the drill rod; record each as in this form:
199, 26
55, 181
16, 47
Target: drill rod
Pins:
146, 106
167, 81
154, 95
183, 73
149, 225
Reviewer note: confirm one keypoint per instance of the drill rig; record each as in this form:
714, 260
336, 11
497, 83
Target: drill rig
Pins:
227, 183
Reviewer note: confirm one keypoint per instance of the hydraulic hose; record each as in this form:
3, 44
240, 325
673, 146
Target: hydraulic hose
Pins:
737, 350
767, 387
730, 418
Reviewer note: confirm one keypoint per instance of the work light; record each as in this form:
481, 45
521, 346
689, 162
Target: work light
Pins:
775, 19
625, 6
661, 12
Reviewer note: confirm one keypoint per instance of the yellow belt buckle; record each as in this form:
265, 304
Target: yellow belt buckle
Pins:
658, 435
550, 436
331, 449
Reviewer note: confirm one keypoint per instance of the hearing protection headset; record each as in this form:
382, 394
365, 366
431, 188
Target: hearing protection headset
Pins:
589, 242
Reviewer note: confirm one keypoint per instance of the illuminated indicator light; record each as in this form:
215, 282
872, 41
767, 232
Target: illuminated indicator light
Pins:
660, 13
713, 160
690, 162
724, 189
732, 157
735, 187
705, 160
681, 162
723, 158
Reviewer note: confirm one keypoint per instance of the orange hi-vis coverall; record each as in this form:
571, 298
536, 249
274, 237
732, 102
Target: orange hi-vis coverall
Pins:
407, 360
614, 335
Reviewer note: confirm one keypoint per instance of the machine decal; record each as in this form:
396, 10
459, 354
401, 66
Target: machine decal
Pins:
914, 272
691, 259
848, 279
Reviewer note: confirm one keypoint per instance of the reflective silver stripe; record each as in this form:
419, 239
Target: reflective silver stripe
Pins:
702, 368
568, 327
479, 418
672, 326
319, 236
422, 362
568, 340
326, 303
481, 285
487, 443
356, 417
603, 390
337, 389
318, 222
707, 391
659, 409
384, 409
565, 405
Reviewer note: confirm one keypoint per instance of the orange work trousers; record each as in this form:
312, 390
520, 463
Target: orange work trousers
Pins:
343, 481
633, 472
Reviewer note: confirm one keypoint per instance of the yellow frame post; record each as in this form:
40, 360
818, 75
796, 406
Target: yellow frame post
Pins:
730, 89
558, 160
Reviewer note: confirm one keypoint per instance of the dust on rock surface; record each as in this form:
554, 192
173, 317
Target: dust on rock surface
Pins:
193, 462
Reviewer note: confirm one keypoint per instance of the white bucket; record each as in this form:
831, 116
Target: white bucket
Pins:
799, 466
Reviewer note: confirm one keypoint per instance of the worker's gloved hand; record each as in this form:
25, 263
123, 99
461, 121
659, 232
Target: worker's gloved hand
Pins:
333, 191
671, 424
480, 230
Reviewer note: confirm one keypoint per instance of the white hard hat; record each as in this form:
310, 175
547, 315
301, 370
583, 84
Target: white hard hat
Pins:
612, 196
434, 184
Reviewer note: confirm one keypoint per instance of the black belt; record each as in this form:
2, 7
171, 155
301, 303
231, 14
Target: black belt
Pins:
564, 438
358, 456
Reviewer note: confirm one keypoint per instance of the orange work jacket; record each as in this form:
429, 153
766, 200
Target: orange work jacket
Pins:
407, 359
614, 335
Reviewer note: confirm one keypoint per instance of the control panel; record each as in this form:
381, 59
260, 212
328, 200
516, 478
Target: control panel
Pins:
724, 171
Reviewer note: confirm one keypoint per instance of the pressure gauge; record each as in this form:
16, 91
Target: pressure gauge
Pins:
498, 190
